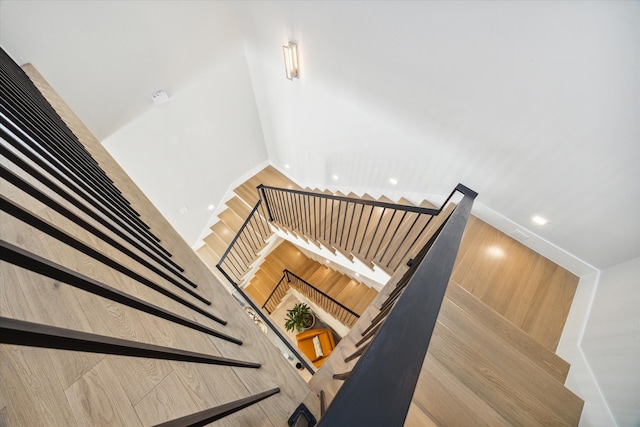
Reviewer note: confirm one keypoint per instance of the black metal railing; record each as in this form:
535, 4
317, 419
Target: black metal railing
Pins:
377, 233
283, 341
44, 164
237, 260
246, 244
395, 344
290, 280
276, 295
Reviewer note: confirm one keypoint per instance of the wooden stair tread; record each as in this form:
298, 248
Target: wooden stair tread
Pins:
231, 219
513, 365
507, 392
365, 301
256, 293
213, 242
417, 417
238, 206
540, 355
345, 292
357, 294
329, 282
269, 176
319, 275
207, 255
446, 399
338, 287
223, 232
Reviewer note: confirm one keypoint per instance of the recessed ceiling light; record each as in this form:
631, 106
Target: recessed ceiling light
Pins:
393, 181
183, 210
210, 207
286, 166
335, 177
539, 220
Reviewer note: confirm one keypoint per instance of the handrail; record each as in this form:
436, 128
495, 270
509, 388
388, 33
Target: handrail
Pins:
246, 244
347, 316
273, 292
267, 321
391, 364
416, 209
377, 233
237, 258
244, 225
287, 273
296, 211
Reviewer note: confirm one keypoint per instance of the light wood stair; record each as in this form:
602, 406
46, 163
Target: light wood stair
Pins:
359, 245
490, 362
242, 260
480, 369
231, 219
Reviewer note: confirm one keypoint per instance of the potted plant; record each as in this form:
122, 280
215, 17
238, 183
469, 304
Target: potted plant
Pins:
299, 318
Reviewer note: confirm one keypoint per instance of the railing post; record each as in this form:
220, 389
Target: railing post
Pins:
266, 202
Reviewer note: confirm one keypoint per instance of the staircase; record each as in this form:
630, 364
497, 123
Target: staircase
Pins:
481, 368
347, 291
231, 219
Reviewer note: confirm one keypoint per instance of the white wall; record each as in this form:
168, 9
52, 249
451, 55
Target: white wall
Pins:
525, 102
106, 58
611, 341
186, 152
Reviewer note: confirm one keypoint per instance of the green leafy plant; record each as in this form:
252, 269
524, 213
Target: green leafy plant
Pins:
298, 318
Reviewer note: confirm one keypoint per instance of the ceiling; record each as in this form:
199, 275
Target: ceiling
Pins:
535, 105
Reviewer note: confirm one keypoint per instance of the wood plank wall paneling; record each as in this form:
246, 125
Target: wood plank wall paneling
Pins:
532, 292
56, 387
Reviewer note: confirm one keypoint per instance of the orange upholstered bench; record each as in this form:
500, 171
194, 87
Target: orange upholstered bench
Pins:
316, 344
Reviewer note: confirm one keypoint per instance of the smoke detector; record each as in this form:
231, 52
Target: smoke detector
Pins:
160, 97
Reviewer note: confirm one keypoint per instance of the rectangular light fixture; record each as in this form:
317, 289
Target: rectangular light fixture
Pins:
291, 60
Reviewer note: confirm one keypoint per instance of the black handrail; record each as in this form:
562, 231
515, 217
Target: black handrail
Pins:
243, 249
275, 289
380, 233
238, 263
288, 274
416, 209
291, 280
267, 321
391, 364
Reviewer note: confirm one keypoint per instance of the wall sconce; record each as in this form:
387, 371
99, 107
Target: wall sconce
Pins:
291, 60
